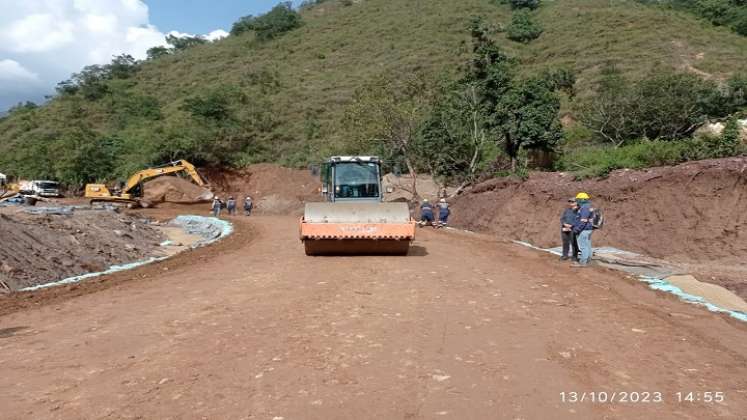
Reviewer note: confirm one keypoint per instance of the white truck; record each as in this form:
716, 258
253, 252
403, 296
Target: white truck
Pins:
41, 188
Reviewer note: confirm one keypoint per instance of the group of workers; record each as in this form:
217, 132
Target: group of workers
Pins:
576, 228
576, 225
427, 213
576, 222
230, 206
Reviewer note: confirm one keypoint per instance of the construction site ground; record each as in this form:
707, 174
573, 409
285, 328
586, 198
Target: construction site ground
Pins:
467, 326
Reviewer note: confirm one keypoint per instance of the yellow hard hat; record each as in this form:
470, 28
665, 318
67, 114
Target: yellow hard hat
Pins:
582, 196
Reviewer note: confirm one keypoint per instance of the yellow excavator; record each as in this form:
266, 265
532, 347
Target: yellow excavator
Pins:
132, 191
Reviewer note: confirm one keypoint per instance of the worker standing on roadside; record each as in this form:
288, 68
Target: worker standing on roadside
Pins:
567, 220
426, 212
217, 205
443, 212
583, 228
248, 205
231, 206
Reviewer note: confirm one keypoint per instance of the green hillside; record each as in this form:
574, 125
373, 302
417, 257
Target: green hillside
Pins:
287, 96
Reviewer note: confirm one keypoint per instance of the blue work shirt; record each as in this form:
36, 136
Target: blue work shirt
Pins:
568, 217
426, 208
584, 219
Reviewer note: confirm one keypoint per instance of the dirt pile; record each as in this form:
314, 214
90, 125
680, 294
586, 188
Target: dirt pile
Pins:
401, 187
274, 189
40, 248
695, 212
173, 189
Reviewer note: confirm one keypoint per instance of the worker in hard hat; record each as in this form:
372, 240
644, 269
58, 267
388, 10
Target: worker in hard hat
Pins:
568, 238
443, 212
583, 228
426, 212
231, 206
216, 206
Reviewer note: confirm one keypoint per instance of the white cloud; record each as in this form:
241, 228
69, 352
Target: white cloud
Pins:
36, 33
216, 35
12, 71
43, 41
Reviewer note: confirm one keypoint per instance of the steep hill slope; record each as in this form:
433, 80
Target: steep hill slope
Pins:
294, 90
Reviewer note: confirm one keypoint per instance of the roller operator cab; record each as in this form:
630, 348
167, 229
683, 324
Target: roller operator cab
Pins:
354, 220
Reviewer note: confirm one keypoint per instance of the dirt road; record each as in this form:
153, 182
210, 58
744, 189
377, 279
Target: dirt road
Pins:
466, 327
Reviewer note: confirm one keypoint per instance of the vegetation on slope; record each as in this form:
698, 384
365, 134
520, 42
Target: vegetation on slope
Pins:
287, 96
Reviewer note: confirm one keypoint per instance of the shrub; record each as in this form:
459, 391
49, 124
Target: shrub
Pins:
281, 19
522, 27
732, 13
157, 52
525, 4
181, 43
593, 161
729, 142
215, 105
521, 4
664, 105
740, 23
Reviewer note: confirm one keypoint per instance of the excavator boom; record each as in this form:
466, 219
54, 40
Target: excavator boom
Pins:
100, 193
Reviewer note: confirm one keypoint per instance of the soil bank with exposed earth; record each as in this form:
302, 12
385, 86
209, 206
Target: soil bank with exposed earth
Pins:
45, 247
694, 213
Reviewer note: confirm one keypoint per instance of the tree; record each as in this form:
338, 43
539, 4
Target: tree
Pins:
740, 23
385, 117
519, 113
181, 43
23, 107
281, 19
610, 112
489, 69
216, 105
526, 117
123, 66
157, 52
522, 27
664, 105
220, 124
454, 138
672, 105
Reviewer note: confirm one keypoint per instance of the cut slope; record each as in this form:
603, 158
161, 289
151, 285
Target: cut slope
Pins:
695, 213
274, 189
691, 212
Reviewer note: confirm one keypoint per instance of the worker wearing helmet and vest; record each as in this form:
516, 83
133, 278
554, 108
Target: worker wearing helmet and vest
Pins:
583, 228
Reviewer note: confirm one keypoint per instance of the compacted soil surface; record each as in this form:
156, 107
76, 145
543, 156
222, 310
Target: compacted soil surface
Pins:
466, 327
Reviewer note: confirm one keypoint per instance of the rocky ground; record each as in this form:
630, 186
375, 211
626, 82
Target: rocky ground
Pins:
41, 247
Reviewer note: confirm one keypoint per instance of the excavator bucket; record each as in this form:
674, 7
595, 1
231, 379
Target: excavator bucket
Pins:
360, 228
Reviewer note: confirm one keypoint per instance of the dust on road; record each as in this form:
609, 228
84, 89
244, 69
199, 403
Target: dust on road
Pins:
465, 327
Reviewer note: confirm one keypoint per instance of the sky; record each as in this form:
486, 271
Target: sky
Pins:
43, 42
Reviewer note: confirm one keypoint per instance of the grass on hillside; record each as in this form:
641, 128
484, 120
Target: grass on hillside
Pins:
308, 77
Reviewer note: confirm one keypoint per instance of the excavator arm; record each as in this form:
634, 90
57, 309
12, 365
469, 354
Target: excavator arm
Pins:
128, 195
172, 167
